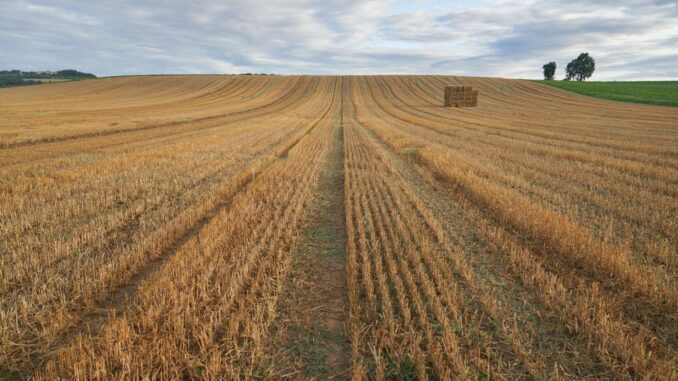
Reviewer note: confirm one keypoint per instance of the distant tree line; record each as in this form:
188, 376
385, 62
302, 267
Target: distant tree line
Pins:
578, 69
7, 80
18, 77
15, 80
61, 74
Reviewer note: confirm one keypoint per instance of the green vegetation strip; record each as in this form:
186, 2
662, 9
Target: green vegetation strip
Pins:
15, 77
662, 93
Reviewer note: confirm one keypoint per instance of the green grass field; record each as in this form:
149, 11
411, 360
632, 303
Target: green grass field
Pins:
663, 93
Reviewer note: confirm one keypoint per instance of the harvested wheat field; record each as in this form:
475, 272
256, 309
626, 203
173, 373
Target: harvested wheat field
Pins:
300, 227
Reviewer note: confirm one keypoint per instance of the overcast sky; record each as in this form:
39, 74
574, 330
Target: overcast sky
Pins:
630, 39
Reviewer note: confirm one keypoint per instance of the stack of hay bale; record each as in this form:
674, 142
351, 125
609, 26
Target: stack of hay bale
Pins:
461, 96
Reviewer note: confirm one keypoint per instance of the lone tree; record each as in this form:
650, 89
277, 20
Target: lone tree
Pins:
580, 68
549, 70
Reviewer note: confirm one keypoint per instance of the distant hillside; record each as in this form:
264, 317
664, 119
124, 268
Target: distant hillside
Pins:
22, 78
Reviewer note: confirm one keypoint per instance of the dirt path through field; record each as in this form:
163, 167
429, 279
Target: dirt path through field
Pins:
327, 248
310, 339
